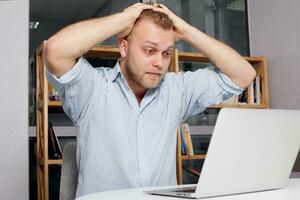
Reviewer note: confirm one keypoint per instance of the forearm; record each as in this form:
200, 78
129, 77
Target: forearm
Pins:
224, 57
77, 39
64, 47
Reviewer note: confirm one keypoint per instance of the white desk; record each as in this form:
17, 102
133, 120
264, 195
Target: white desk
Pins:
291, 192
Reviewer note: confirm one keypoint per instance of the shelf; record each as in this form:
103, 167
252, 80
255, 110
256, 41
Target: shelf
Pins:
193, 157
55, 162
199, 57
238, 106
58, 104
191, 170
54, 104
43, 103
103, 52
51, 162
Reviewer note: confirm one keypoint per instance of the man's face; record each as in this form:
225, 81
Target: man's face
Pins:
148, 54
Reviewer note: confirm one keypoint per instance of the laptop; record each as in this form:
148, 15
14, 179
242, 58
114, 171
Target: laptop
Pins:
250, 150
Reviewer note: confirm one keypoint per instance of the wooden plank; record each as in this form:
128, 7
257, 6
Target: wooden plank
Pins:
193, 157
45, 183
39, 182
54, 104
258, 106
179, 159
39, 105
44, 127
192, 57
265, 83
40, 48
103, 51
200, 57
55, 162
192, 170
174, 66
254, 60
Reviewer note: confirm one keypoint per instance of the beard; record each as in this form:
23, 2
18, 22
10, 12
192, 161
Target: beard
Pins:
139, 77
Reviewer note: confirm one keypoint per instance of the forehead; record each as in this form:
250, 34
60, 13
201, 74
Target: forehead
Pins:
146, 31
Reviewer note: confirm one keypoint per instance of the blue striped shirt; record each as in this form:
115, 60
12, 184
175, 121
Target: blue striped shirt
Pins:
121, 144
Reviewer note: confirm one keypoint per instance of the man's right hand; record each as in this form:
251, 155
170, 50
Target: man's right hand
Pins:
134, 12
63, 48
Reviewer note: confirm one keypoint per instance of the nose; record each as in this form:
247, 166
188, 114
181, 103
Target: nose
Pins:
158, 61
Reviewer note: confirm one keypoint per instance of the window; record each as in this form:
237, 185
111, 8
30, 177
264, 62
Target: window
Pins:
225, 20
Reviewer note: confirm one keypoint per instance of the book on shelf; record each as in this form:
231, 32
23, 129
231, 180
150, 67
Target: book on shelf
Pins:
53, 94
54, 149
183, 144
251, 95
257, 89
187, 139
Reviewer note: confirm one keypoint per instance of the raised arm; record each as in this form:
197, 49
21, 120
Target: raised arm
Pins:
63, 48
224, 57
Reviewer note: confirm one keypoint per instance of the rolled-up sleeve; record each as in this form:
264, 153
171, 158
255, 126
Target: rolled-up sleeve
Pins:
74, 88
203, 88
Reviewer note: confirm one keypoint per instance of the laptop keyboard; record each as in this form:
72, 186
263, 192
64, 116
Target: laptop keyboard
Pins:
186, 190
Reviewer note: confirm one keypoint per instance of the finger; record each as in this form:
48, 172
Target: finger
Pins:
136, 4
145, 6
142, 5
160, 10
163, 6
156, 4
125, 32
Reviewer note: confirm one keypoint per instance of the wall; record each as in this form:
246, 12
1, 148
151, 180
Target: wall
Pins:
46, 29
14, 100
275, 33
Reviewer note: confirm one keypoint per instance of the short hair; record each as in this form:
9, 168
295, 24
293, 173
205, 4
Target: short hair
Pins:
159, 18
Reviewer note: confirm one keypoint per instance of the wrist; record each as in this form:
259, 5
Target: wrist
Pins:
185, 32
192, 33
129, 16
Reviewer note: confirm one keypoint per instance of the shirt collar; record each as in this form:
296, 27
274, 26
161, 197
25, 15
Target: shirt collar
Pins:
115, 71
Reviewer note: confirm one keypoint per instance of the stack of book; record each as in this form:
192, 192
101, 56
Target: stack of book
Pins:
54, 148
251, 95
186, 140
53, 94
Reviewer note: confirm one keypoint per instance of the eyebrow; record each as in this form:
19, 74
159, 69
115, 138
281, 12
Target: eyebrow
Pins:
156, 44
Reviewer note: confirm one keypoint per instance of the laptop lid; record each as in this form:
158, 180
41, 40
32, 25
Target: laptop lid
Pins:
250, 150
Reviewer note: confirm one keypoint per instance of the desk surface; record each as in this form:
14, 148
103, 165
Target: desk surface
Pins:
291, 192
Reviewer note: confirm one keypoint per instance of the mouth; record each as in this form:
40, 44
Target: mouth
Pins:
153, 73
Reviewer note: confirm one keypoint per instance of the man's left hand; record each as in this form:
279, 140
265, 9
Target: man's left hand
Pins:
180, 26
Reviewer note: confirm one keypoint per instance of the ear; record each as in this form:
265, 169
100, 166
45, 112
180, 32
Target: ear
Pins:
123, 46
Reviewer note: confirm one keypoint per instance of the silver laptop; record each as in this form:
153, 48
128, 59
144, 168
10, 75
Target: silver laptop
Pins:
250, 150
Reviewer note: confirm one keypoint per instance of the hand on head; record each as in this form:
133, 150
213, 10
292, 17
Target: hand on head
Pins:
136, 9
179, 24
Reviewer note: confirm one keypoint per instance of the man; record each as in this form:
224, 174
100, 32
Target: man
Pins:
126, 118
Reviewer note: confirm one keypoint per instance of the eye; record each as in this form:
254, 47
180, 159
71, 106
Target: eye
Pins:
148, 51
167, 54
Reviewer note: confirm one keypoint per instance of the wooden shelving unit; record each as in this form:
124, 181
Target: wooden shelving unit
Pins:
259, 64
43, 104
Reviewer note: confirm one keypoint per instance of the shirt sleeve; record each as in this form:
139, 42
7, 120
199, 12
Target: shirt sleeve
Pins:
203, 88
74, 88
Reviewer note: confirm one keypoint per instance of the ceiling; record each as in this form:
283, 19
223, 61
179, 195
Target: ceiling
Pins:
67, 10
49, 16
